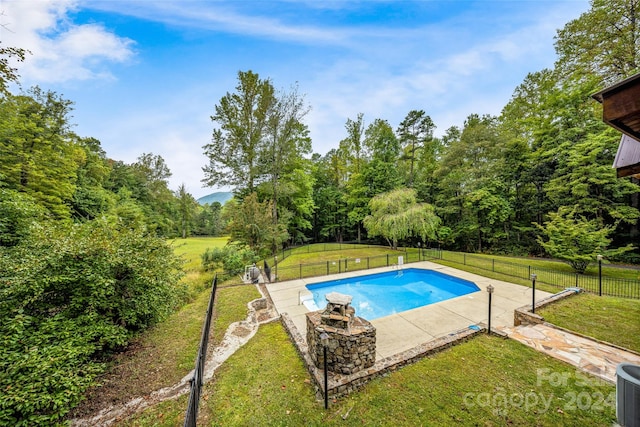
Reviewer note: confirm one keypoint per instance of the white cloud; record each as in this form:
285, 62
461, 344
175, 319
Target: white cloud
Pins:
449, 84
60, 50
466, 64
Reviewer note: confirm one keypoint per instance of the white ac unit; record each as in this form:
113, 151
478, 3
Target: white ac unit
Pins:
628, 395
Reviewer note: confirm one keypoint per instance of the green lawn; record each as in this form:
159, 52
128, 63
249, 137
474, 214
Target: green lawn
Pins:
315, 261
485, 381
608, 270
552, 275
615, 320
265, 382
192, 247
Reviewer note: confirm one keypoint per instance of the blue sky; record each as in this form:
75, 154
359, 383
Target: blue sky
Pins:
145, 75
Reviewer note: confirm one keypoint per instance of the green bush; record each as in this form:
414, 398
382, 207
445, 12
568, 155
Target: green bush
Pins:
68, 296
231, 258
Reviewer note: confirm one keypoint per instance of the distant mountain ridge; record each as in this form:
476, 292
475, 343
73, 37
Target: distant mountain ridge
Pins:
220, 196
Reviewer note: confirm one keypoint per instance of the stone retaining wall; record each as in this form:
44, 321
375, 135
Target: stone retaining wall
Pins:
523, 315
339, 385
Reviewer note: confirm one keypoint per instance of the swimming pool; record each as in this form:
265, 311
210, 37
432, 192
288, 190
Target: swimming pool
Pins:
382, 294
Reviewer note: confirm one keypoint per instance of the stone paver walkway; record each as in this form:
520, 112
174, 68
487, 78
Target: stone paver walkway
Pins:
588, 355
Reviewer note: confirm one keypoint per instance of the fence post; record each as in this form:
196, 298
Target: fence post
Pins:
387, 260
339, 266
464, 259
367, 263
493, 265
600, 275
327, 268
577, 281
529, 270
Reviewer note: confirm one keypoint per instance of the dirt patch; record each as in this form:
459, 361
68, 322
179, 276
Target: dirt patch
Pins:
241, 331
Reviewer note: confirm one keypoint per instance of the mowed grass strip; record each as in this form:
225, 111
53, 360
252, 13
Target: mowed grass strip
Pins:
449, 391
615, 320
193, 247
519, 263
485, 381
311, 264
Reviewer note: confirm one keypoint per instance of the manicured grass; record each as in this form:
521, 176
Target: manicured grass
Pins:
552, 276
319, 257
615, 320
303, 264
169, 413
486, 381
265, 382
192, 247
608, 270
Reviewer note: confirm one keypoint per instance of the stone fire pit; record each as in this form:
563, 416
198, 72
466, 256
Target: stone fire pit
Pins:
352, 339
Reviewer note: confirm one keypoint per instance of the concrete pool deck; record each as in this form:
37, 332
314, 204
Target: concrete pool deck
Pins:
406, 330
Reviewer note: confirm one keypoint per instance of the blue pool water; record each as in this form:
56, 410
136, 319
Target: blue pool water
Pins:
383, 294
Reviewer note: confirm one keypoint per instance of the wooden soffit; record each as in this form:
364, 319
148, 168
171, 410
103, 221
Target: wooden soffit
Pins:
621, 106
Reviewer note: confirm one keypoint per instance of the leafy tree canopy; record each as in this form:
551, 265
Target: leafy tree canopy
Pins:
396, 215
576, 240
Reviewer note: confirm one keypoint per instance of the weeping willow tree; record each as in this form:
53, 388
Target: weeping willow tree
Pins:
397, 215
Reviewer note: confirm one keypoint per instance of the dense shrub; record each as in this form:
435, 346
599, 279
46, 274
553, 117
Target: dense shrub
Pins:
68, 296
17, 212
231, 258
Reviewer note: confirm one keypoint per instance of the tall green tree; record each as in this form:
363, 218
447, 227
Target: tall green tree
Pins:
250, 223
396, 215
283, 163
381, 173
242, 118
353, 144
329, 196
355, 152
600, 48
469, 171
414, 133
208, 220
187, 210
604, 42
91, 199
577, 240
38, 155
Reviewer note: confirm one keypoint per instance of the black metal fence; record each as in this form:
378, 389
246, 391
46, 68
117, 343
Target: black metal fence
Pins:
197, 380
300, 271
602, 285
320, 247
